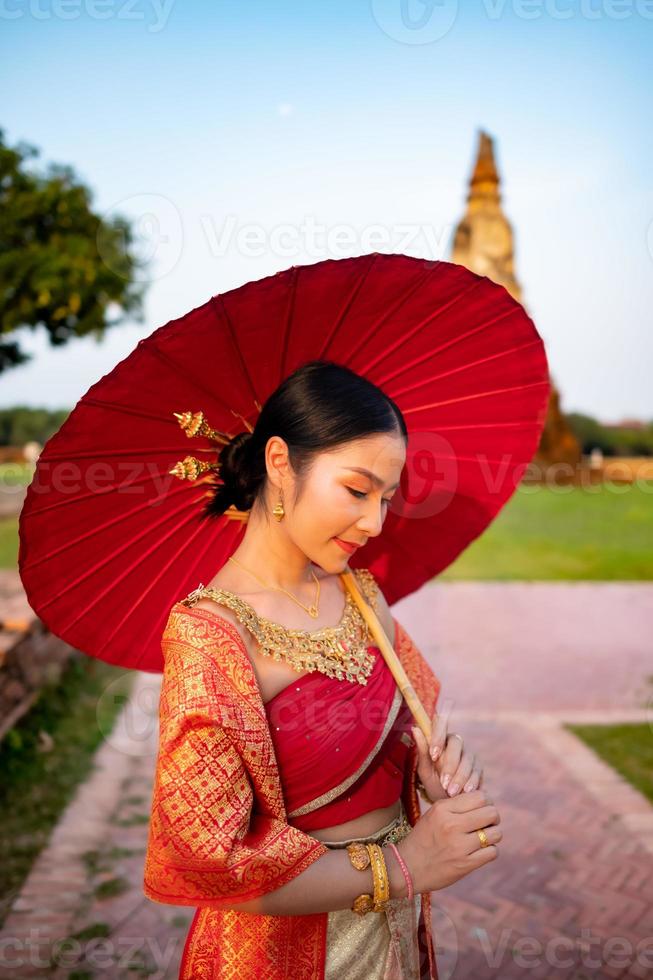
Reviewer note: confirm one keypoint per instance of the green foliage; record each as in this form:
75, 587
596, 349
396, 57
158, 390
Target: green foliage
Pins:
62, 266
111, 887
623, 441
36, 783
22, 424
98, 930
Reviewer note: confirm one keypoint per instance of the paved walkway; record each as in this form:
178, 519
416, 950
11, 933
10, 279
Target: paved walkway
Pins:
571, 894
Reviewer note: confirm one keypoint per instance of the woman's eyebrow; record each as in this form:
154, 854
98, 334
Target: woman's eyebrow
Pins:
373, 477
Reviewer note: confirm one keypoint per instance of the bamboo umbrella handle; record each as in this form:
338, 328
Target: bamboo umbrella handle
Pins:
390, 657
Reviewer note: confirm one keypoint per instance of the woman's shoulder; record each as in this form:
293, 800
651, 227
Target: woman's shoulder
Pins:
219, 614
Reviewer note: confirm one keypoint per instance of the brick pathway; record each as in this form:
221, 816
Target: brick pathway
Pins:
571, 895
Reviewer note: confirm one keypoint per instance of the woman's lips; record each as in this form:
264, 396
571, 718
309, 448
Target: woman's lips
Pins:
349, 548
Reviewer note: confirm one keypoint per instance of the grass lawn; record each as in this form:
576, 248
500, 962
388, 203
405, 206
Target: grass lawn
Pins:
554, 534
16, 474
9, 542
41, 774
11, 475
627, 748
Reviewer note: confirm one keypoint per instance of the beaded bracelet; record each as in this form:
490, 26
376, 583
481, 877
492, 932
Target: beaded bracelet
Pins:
405, 871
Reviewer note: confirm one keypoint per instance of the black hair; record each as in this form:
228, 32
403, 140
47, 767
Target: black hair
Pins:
319, 406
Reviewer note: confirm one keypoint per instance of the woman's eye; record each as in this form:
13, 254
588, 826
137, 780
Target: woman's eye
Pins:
360, 493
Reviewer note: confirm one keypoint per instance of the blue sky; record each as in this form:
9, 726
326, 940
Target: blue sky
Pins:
228, 119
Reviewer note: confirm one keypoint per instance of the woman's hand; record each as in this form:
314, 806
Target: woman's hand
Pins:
444, 844
443, 766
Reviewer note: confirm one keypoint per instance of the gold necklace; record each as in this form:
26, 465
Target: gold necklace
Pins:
337, 651
312, 610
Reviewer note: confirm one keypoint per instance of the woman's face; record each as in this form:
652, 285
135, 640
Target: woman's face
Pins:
341, 501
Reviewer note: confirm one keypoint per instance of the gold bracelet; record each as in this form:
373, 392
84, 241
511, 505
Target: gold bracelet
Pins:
358, 855
363, 904
381, 879
360, 859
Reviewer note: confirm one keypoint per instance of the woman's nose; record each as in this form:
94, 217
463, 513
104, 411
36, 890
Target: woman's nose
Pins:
372, 523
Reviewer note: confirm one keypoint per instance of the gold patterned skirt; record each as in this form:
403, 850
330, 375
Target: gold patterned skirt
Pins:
378, 945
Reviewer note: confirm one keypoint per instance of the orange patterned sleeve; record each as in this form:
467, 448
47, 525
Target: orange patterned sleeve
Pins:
424, 680
208, 843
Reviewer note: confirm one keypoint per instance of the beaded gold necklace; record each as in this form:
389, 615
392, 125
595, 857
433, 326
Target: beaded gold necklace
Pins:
336, 651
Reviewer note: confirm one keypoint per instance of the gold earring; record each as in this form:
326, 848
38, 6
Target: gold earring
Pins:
278, 510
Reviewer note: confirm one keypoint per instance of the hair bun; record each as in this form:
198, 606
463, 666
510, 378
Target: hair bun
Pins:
235, 471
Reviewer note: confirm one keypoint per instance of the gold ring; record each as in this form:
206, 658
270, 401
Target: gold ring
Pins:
483, 836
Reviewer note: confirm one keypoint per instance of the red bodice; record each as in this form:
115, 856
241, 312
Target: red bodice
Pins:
341, 746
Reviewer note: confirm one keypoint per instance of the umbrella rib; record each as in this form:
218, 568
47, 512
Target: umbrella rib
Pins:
402, 340
463, 367
365, 338
125, 409
288, 319
98, 595
92, 453
178, 371
153, 582
92, 493
520, 424
119, 518
235, 346
448, 344
346, 306
476, 394
468, 459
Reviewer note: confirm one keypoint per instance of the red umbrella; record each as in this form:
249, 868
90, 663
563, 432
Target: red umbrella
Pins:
110, 539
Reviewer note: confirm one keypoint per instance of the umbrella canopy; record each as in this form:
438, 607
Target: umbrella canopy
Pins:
110, 538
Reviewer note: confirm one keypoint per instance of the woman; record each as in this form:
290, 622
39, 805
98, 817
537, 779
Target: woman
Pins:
285, 748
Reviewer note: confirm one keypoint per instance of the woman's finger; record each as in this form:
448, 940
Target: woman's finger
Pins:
474, 781
421, 743
450, 760
439, 728
462, 774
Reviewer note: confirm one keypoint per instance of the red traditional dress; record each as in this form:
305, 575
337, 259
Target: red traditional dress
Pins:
240, 784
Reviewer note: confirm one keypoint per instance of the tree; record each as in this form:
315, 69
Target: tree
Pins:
62, 267
24, 423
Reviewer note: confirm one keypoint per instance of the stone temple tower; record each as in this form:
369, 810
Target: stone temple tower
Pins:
483, 242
